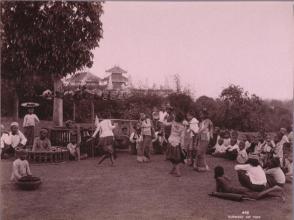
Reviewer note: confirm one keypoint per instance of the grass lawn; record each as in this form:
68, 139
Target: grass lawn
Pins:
84, 190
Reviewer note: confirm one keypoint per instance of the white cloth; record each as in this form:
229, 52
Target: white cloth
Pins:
146, 127
220, 148
193, 126
135, 137
162, 116
278, 150
256, 174
15, 140
20, 168
285, 139
278, 174
234, 147
30, 120
72, 148
105, 128
227, 142
177, 135
247, 144
242, 156
4, 139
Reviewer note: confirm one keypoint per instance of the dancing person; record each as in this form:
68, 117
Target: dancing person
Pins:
174, 152
251, 175
106, 139
205, 133
193, 128
29, 123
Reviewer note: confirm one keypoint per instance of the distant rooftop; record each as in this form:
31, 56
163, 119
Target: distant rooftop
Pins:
116, 69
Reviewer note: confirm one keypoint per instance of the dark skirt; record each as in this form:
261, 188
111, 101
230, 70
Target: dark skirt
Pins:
106, 143
29, 134
174, 154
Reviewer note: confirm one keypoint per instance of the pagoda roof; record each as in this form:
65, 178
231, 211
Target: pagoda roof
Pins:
116, 69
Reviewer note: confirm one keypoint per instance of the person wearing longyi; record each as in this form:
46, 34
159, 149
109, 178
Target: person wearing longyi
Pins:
29, 123
14, 139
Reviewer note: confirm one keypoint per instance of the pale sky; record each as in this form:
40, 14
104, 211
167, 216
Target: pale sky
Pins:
209, 44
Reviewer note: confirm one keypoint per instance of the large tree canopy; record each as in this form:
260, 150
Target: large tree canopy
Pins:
47, 39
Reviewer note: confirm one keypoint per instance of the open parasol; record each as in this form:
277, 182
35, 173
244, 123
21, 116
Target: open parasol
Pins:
30, 104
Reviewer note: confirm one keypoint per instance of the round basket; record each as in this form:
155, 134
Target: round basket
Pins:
29, 183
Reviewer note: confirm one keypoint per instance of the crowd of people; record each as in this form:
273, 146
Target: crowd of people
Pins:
264, 162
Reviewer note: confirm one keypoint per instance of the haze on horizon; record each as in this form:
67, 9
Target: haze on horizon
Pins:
209, 44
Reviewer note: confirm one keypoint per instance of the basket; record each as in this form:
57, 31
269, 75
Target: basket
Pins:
29, 183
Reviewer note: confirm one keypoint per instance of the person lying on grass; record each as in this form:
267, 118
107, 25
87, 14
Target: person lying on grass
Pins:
224, 185
20, 167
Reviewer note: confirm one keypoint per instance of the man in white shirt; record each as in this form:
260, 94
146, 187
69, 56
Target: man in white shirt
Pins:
15, 138
29, 123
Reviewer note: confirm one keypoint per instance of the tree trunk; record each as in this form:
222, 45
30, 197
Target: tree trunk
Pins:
74, 111
58, 103
15, 106
92, 112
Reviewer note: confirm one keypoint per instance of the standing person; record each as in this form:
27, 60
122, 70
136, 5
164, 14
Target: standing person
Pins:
146, 131
174, 151
4, 137
106, 139
213, 140
14, 139
29, 123
193, 128
285, 139
205, 134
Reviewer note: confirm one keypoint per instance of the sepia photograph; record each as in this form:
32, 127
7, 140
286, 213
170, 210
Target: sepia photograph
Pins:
146, 110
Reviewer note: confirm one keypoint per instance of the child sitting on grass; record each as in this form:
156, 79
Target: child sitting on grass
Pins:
274, 174
242, 153
220, 149
74, 147
232, 150
224, 184
20, 167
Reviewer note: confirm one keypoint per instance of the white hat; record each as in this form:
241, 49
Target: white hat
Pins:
14, 124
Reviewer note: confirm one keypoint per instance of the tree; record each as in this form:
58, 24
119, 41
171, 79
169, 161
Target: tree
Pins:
50, 40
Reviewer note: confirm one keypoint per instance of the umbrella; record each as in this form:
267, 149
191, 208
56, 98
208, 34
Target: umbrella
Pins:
30, 104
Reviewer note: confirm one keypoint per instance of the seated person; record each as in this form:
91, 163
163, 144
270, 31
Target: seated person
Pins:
224, 185
42, 143
242, 153
4, 136
267, 151
15, 138
274, 174
232, 150
134, 138
220, 149
253, 145
287, 163
278, 148
227, 138
251, 175
73, 147
247, 141
20, 167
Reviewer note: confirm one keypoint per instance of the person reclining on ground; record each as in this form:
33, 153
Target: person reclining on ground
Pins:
224, 184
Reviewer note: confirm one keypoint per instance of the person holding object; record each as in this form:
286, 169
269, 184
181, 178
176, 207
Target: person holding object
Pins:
146, 131
29, 123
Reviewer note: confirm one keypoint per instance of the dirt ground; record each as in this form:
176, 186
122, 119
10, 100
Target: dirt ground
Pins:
84, 190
